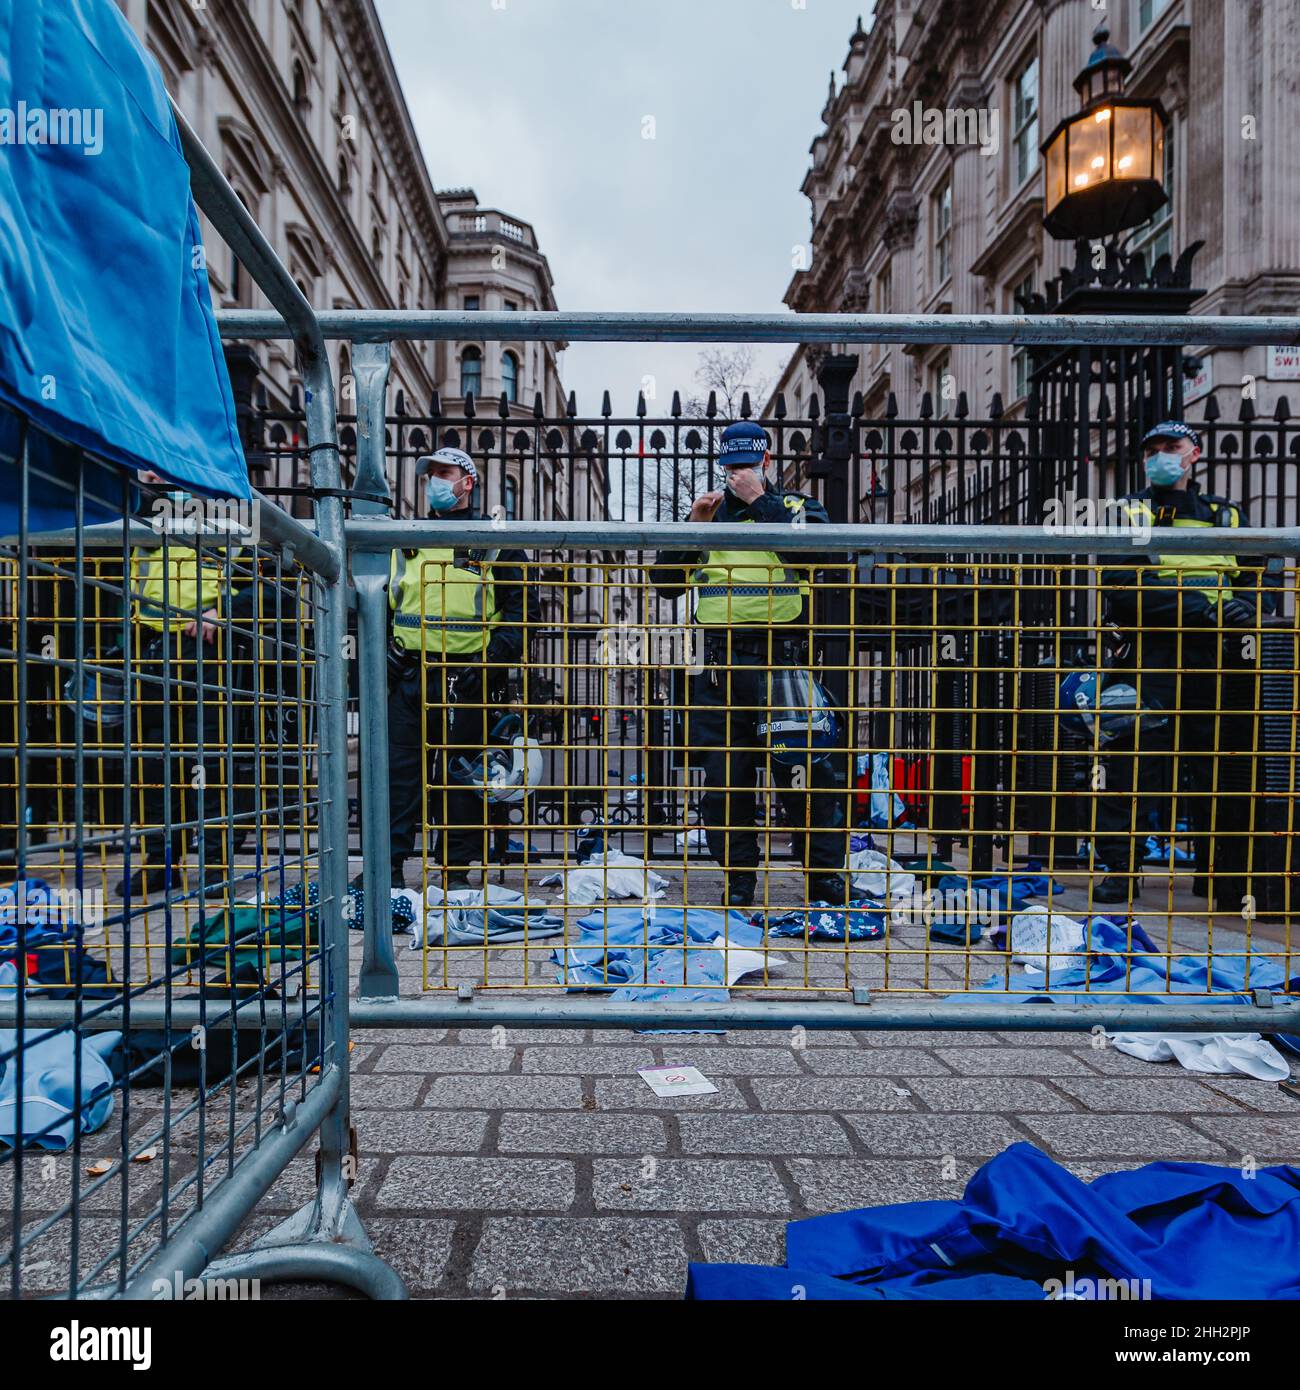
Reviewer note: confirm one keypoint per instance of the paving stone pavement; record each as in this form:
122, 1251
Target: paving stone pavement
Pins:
526, 1181
532, 1163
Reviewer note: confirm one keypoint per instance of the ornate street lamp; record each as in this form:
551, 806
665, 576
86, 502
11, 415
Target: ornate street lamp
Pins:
1104, 168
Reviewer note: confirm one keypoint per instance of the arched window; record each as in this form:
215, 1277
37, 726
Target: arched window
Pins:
512, 500
510, 376
376, 247
301, 100
345, 176
471, 372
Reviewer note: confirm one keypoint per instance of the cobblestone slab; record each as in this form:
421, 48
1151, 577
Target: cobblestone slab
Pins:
585, 1133
763, 1134
435, 1183
688, 1185
580, 1255
1142, 1137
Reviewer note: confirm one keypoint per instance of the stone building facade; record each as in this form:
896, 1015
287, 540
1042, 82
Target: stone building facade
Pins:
300, 104
910, 227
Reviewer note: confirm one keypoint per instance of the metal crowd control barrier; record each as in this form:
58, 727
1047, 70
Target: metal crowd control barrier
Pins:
172, 689
955, 584
172, 1231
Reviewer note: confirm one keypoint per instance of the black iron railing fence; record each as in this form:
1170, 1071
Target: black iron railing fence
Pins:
934, 468
937, 467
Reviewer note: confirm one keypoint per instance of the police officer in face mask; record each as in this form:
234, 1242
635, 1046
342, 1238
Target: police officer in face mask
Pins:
459, 620
1181, 622
182, 600
754, 609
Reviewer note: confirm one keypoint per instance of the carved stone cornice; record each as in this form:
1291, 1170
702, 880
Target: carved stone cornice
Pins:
901, 217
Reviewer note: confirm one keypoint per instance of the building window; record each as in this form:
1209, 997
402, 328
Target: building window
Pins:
510, 306
1148, 10
301, 100
345, 176
377, 248
1024, 120
941, 212
512, 500
940, 381
510, 376
240, 281
471, 303
1155, 238
1021, 363
471, 372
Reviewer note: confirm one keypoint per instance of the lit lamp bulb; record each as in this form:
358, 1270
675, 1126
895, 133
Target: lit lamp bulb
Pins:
1098, 162
1080, 180
1125, 161
1103, 114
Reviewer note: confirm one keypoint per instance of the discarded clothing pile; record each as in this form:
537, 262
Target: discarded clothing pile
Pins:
607, 875
876, 875
1026, 1228
1011, 891
1105, 959
479, 916
110, 1061
59, 1069
862, 920
277, 927
652, 954
405, 909
42, 916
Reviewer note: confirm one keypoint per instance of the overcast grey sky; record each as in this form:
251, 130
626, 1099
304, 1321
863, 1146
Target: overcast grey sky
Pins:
540, 106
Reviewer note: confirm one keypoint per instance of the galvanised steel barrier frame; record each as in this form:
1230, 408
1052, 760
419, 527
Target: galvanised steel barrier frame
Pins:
324, 1240
371, 537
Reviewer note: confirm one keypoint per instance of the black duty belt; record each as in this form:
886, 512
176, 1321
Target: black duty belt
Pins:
738, 642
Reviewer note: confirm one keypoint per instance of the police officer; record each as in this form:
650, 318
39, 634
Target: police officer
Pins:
459, 620
182, 600
1184, 628
754, 608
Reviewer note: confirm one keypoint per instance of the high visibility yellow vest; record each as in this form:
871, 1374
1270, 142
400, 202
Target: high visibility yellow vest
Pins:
440, 606
1193, 568
747, 587
172, 589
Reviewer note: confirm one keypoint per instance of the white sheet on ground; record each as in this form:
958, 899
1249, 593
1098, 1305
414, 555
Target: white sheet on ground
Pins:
612, 876
876, 875
1223, 1054
1036, 932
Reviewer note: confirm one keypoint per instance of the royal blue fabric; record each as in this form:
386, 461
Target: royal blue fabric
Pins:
1013, 891
107, 336
1180, 1230
862, 920
40, 919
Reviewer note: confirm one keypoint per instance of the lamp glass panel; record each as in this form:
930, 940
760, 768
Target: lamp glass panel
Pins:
1133, 142
1056, 189
1158, 154
1089, 161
